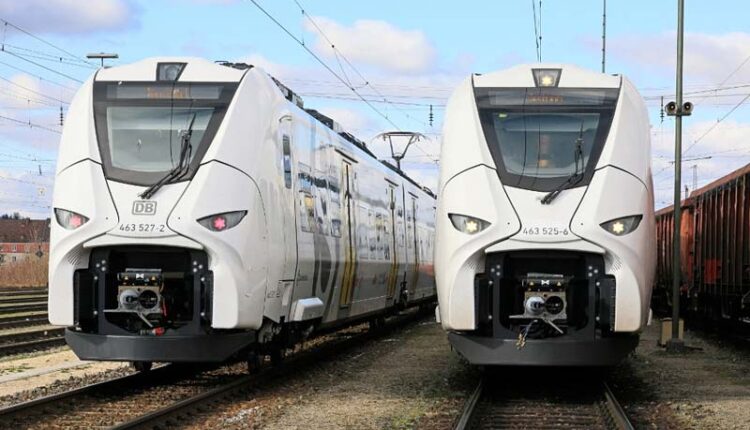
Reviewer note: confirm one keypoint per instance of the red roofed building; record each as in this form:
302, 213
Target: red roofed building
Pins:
23, 238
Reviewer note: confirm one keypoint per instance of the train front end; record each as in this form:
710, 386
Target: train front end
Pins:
545, 247
157, 241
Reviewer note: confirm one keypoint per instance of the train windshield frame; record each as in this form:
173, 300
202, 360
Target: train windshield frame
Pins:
140, 125
541, 137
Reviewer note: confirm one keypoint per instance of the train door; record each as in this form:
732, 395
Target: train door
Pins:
414, 206
288, 197
348, 239
393, 254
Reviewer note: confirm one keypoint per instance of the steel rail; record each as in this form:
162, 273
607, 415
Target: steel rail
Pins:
28, 345
173, 413
26, 307
22, 321
469, 408
293, 365
118, 383
616, 412
606, 405
24, 298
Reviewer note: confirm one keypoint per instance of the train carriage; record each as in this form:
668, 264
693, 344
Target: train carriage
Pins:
715, 252
200, 210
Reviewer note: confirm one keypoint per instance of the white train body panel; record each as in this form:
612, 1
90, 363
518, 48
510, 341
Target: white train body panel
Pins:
583, 138
325, 233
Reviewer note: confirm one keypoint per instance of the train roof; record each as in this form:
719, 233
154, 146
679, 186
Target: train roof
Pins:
332, 124
570, 76
194, 70
721, 181
718, 183
684, 203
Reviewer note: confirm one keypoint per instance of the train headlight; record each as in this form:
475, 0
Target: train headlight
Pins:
622, 226
546, 77
128, 299
69, 220
222, 221
467, 224
169, 71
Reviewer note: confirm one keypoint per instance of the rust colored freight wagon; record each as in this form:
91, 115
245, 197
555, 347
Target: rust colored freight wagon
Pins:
715, 250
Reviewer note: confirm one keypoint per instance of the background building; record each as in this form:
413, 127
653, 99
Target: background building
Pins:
21, 239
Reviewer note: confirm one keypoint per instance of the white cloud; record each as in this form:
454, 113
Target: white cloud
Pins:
427, 176
375, 43
727, 145
70, 16
26, 92
350, 119
708, 57
26, 193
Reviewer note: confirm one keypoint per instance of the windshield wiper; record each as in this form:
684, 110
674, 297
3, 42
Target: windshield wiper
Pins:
573, 179
182, 167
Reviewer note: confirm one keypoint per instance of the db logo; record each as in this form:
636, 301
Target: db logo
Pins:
144, 207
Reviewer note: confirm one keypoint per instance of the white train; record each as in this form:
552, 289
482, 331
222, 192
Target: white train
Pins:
545, 241
201, 211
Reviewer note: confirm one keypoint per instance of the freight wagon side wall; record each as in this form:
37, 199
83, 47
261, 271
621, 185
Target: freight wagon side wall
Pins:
722, 269
664, 237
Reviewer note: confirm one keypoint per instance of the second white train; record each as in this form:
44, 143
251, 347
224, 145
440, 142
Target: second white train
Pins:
545, 245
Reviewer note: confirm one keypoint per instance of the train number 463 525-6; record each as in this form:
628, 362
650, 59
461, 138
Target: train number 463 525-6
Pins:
545, 231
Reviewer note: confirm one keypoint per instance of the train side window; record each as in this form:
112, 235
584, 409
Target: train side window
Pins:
285, 141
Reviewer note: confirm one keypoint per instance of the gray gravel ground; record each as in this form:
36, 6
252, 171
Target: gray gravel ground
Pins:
706, 388
409, 379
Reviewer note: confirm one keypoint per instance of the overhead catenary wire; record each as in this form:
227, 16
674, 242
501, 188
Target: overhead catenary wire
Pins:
57, 60
366, 82
337, 52
320, 60
537, 29
732, 73
47, 104
57, 72
718, 121
23, 181
33, 91
50, 44
325, 65
30, 158
41, 78
49, 55
350, 98
29, 124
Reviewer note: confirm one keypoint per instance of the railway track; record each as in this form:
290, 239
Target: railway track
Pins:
167, 395
19, 291
26, 306
21, 307
41, 298
30, 339
23, 319
540, 402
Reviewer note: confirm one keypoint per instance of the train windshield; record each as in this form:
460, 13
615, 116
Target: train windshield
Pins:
541, 137
141, 126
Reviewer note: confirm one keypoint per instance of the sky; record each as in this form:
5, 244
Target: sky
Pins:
404, 57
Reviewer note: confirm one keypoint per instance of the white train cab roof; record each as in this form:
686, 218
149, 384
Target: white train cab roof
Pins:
546, 75
168, 69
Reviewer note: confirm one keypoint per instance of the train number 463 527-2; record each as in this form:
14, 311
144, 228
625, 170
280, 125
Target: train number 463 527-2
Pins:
143, 228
